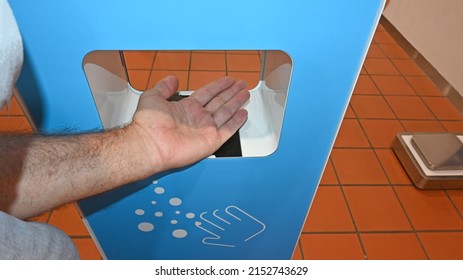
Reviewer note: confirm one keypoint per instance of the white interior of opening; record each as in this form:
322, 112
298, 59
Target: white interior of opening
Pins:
116, 100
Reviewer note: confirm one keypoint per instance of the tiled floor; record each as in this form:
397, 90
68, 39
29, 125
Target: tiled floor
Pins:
366, 206
194, 69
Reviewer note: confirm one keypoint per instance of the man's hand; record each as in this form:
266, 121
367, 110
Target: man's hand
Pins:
175, 134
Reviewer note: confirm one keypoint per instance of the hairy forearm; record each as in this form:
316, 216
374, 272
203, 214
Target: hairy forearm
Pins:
41, 172
38, 173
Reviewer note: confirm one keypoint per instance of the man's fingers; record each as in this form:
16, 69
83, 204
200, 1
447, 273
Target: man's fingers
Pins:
225, 96
227, 110
232, 125
208, 92
165, 87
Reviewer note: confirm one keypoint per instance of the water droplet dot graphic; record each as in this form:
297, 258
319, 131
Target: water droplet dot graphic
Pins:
179, 233
159, 190
154, 202
146, 227
190, 215
175, 201
174, 222
197, 223
140, 212
158, 214
177, 212
155, 182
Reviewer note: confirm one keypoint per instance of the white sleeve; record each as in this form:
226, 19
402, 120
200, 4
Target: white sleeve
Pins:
11, 52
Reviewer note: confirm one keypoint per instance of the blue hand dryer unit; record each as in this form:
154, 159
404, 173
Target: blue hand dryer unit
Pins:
248, 207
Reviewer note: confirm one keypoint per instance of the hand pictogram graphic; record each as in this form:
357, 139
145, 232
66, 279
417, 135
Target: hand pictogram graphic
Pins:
229, 228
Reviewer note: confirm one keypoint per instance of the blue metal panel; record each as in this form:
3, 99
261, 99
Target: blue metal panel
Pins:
327, 40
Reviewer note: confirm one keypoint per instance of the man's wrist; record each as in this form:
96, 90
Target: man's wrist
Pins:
142, 158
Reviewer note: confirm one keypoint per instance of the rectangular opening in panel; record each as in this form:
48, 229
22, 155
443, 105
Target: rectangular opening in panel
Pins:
118, 78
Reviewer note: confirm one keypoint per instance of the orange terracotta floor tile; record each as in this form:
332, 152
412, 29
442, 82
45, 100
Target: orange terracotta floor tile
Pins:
381, 133
201, 78
376, 209
409, 108
329, 212
210, 51
351, 135
457, 198
373, 107
157, 75
331, 247
453, 126
423, 126
392, 167
375, 52
442, 109
430, 209
243, 62
380, 27
208, 62
141, 60
297, 255
13, 110
392, 246
424, 86
443, 245
393, 51
329, 175
251, 78
17, 124
358, 167
350, 113
87, 249
365, 85
68, 220
407, 67
380, 66
139, 79
42, 218
172, 61
383, 37
393, 85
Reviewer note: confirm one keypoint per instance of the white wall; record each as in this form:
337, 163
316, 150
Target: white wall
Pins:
435, 29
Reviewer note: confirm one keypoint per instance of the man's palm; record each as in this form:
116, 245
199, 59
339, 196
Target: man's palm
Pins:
180, 133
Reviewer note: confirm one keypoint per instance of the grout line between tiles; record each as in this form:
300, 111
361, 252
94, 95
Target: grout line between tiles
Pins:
299, 245
49, 215
387, 176
350, 211
388, 59
189, 71
151, 70
329, 232
196, 70
226, 64
453, 203
11, 115
376, 185
382, 232
391, 186
80, 237
384, 171
352, 148
410, 222
439, 230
